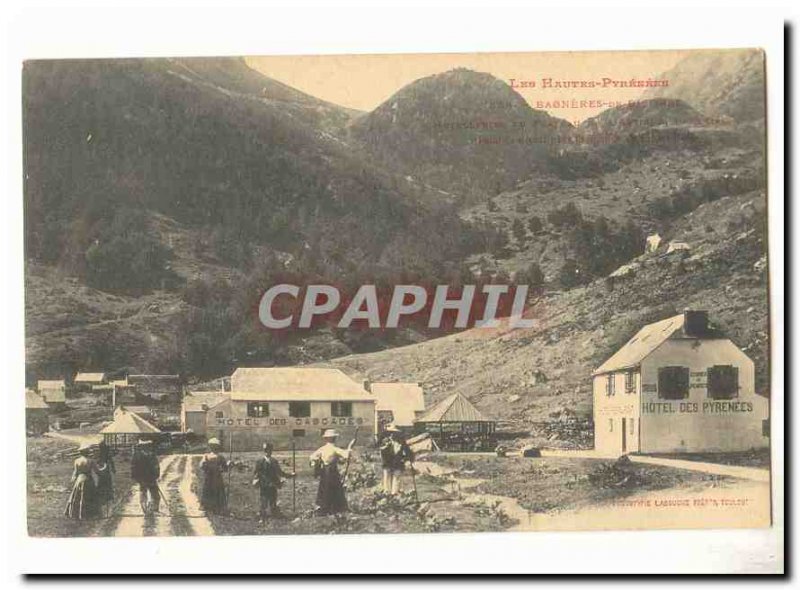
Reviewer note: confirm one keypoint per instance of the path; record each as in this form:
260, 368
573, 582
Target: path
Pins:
180, 514
740, 503
751, 473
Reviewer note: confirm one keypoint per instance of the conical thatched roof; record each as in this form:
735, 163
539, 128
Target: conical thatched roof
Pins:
455, 408
127, 422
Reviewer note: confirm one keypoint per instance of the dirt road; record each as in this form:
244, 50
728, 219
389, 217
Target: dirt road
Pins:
742, 503
180, 514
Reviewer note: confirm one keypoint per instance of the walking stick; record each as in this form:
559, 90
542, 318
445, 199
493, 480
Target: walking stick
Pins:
294, 479
164, 497
230, 468
414, 481
347, 464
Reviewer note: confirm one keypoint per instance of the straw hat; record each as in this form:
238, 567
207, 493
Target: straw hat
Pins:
330, 433
214, 442
392, 428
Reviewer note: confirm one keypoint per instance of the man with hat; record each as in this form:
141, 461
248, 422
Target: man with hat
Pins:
145, 470
325, 460
394, 453
268, 477
214, 498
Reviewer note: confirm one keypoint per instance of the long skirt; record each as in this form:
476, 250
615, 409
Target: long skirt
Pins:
330, 495
213, 498
82, 499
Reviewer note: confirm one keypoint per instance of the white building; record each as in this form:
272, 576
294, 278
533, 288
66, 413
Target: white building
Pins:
398, 403
287, 405
53, 391
678, 385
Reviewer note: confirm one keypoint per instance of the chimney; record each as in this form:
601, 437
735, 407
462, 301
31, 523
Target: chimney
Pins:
695, 323
368, 385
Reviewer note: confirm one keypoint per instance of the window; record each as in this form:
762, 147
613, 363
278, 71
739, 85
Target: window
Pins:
611, 424
610, 384
630, 382
257, 409
298, 433
632, 427
220, 414
723, 382
673, 382
299, 409
342, 409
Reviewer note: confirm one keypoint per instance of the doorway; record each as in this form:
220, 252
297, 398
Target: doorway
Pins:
624, 440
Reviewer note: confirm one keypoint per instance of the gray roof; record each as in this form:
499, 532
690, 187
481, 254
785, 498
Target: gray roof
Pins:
126, 422
296, 384
455, 408
34, 401
90, 377
641, 345
52, 391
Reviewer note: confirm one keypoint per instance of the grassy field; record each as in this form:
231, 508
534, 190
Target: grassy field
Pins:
546, 484
48, 483
370, 510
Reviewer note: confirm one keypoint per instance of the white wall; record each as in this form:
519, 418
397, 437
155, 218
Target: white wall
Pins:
610, 411
279, 427
697, 423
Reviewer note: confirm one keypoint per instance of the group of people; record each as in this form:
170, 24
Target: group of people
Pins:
92, 478
92, 492
268, 475
92, 481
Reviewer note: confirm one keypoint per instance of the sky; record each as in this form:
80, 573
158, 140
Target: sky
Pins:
364, 81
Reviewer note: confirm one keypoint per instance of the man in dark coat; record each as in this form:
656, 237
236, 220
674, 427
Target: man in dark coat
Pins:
105, 475
394, 454
145, 470
268, 476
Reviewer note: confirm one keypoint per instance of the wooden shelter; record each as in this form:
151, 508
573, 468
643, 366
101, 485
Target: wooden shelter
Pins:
457, 425
127, 429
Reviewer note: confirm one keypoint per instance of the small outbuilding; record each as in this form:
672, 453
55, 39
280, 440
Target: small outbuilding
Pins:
37, 413
84, 382
397, 403
195, 406
127, 429
54, 392
456, 425
157, 388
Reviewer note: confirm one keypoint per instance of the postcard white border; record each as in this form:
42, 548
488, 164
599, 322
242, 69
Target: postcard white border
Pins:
39, 30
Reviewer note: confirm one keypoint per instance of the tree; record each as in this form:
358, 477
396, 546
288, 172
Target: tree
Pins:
518, 229
535, 277
125, 256
570, 275
535, 224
